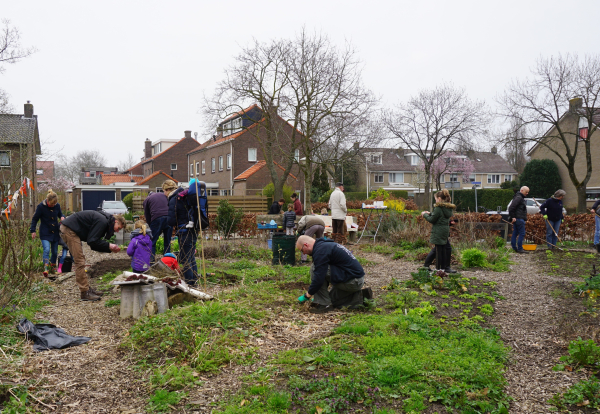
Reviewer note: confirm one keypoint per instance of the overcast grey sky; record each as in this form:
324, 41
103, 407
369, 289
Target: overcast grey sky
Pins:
108, 75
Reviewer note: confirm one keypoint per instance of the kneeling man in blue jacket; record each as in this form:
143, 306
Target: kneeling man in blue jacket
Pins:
333, 265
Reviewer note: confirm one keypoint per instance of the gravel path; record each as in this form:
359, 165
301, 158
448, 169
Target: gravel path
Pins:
527, 320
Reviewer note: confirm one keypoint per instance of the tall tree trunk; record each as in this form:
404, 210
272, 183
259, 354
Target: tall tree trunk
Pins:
581, 199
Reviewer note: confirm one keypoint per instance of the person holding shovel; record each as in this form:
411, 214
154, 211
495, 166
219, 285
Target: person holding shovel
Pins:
517, 213
95, 228
552, 211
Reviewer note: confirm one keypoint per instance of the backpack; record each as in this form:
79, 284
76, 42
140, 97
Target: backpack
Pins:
192, 200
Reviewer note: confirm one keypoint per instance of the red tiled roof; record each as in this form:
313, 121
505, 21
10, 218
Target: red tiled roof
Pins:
119, 178
135, 166
151, 176
220, 139
255, 168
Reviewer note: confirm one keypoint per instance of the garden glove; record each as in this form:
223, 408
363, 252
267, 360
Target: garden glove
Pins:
545, 217
303, 298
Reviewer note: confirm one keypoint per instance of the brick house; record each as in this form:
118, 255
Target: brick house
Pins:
44, 171
397, 169
575, 125
169, 156
225, 162
93, 175
19, 147
155, 180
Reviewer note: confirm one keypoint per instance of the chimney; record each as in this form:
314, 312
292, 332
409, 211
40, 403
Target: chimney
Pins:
28, 110
470, 154
188, 134
196, 136
147, 148
356, 145
494, 150
575, 104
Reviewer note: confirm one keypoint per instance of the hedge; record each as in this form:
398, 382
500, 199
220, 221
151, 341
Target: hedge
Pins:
489, 198
362, 195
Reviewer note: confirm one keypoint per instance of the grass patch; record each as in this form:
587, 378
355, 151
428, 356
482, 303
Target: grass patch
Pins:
112, 302
204, 335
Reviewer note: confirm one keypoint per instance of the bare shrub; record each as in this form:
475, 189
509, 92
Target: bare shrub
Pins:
19, 259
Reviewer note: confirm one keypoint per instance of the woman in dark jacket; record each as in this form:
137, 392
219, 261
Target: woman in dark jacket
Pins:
185, 222
440, 231
552, 210
49, 214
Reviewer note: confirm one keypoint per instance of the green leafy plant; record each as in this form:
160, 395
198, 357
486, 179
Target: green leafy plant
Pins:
473, 258
162, 401
174, 378
583, 393
112, 302
228, 218
582, 353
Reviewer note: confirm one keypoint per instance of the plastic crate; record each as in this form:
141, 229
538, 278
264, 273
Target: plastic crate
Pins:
267, 226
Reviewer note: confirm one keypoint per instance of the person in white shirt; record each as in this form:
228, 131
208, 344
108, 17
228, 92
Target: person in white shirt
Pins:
337, 205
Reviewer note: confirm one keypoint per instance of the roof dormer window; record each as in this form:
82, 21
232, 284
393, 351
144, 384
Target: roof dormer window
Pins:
582, 129
376, 158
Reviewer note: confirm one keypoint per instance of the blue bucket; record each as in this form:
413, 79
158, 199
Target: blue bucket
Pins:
270, 244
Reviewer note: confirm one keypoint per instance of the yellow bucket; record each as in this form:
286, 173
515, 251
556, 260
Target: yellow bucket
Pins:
529, 247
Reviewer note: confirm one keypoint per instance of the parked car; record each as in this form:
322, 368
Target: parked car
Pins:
532, 207
113, 207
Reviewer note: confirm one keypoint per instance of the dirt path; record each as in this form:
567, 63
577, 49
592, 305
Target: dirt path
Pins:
529, 322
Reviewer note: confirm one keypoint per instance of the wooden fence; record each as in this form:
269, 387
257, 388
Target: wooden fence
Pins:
249, 204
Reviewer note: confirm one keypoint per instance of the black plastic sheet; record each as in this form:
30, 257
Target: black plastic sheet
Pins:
46, 336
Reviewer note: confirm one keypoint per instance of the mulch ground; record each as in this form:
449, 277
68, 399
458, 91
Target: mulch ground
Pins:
534, 320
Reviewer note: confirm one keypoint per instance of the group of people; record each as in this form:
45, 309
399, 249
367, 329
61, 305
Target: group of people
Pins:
165, 212
551, 210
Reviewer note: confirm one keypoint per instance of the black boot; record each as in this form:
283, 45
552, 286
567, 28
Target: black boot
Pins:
448, 258
598, 248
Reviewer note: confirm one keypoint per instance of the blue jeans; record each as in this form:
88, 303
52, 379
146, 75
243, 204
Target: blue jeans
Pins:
159, 226
47, 246
187, 256
597, 233
518, 230
551, 238
64, 254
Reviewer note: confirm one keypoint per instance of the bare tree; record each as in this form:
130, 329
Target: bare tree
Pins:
334, 108
312, 98
260, 76
515, 150
70, 167
548, 109
11, 51
127, 163
434, 120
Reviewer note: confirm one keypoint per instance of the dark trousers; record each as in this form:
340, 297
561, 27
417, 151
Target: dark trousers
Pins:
159, 226
447, 256
187, 255
338, 226
518, 234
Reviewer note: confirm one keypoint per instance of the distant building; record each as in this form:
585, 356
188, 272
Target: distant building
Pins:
19, 147
44, 171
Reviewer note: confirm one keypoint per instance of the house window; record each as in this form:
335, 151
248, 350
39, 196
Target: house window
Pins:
203, 167
212, 164
191, 170
472, 178
39, 172
4, 158
453, 178
493, 179
414, 159
229, 161
159, 190
376, 159
197, 168
173, 167
213, 192
396, 178
379, 177
236, 125
220, 163
224, 192
227, 129
442, 178
508, 177
583, 129
297, 155
252, 154
92, 174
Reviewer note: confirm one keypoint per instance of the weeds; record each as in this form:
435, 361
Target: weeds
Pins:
162, 401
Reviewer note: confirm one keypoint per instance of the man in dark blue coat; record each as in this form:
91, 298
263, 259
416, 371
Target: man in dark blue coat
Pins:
156, 212
184, 219
552, 211
333, 265
518, 216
